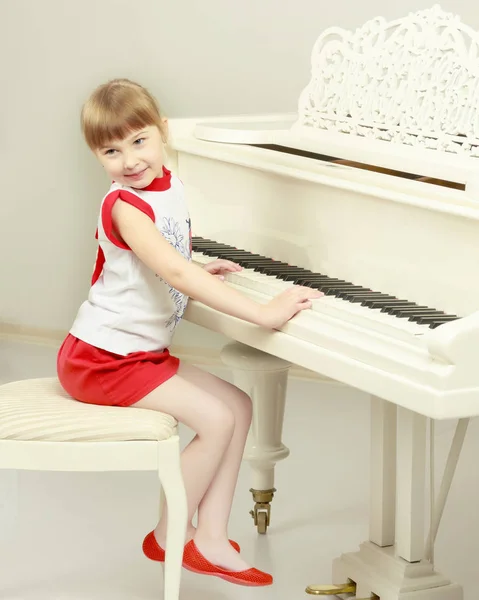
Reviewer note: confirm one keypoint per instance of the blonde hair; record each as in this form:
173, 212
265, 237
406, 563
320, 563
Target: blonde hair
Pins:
116, 109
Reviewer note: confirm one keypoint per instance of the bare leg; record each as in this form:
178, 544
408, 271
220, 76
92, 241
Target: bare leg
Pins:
210, 463
214, 510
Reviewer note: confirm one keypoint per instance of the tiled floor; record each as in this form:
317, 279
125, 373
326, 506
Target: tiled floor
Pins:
78, 537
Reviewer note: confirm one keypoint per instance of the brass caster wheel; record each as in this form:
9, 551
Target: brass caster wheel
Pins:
262, 509
262, 522
261, 514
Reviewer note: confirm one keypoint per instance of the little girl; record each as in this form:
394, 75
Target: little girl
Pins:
116, 352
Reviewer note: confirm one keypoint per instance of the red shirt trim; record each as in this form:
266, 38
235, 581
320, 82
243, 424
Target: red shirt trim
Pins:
107, 222
159, 184
108, 207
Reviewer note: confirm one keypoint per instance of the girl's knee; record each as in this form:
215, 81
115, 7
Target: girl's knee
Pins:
245, 406
242, 404
221, 422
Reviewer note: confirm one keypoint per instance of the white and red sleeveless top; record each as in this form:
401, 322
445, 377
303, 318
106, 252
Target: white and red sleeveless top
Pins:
130, 308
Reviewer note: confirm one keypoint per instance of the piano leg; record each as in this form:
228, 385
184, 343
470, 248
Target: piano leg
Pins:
264, 378
396, 572
382, 497
411, 480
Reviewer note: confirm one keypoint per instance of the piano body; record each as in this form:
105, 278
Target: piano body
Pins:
371, 193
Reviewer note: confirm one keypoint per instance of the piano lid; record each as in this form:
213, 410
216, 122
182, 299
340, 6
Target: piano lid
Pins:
394, 95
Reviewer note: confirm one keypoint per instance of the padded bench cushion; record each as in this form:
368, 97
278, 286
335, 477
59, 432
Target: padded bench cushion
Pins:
39, 409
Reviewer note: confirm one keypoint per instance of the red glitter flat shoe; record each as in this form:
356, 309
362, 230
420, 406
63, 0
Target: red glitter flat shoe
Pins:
194, 561
153, 551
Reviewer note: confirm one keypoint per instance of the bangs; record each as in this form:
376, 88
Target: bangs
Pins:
113, 127
116, 111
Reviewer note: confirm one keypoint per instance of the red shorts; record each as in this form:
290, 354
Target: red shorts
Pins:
96, 376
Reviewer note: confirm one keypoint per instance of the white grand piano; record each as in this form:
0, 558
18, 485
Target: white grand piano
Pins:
371, 193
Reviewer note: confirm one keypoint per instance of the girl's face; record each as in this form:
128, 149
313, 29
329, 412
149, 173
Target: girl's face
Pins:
136, 160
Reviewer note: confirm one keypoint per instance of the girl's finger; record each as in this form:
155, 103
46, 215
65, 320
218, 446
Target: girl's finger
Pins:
230, 265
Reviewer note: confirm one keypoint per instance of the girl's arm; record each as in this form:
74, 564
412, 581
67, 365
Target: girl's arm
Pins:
139, 232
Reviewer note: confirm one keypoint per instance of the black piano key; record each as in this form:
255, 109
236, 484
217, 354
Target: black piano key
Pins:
346, 286
197, 246
400, 306
360, 298
275, 261
305, 281
295, 278
226, 248
401, 311
332, 289
275, 264
321, 278
366, 292
396, 305
376, 301
210, 244
420, 312
289, 277
233, 252
318, 286
202, 247
251, 259
412, 316
236, 258
256, 258
341, 288
314, 277
360, 295
238, 255
437, 322
289, 274
292, 270
211, 251
261, 270
394, 312
236, 252
270, 270
196, 241
251, 263
201, 242
327, 283
377, 296
274, 268
427, 319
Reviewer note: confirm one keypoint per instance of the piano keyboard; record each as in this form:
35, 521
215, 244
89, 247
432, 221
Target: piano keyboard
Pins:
368, 308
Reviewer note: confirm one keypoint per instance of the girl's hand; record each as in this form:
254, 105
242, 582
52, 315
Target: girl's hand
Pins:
283, 307
219, 267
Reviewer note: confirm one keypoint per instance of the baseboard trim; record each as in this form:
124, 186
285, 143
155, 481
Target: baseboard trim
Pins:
193, 354
31, 335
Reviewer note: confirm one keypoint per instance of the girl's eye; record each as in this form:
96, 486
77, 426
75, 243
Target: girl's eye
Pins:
139, 141
109, 152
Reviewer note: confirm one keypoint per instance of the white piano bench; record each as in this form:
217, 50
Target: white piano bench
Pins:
264, 378
43, 429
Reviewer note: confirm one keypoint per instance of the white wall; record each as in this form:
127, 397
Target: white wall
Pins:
199, 58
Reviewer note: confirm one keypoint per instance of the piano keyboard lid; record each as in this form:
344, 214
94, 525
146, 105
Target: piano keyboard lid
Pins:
400, 96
